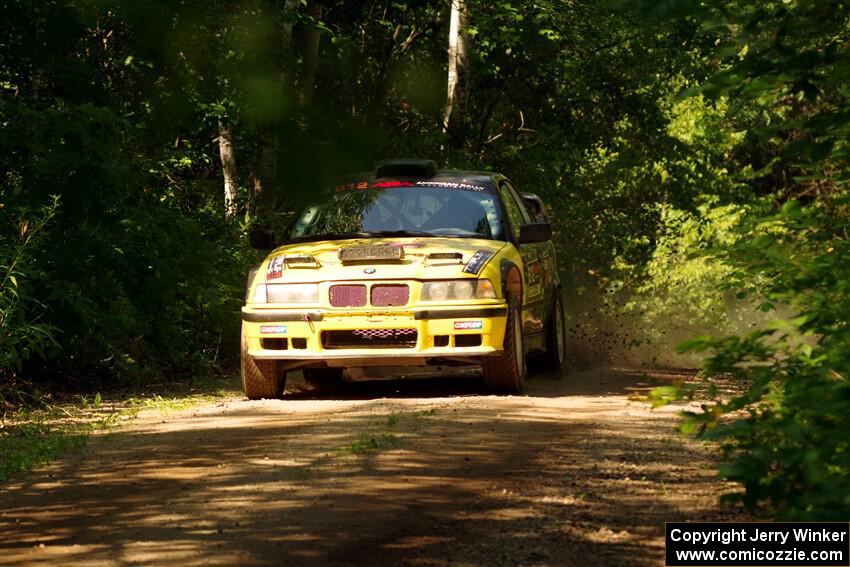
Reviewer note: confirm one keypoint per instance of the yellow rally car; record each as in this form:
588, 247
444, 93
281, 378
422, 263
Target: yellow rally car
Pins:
406, 266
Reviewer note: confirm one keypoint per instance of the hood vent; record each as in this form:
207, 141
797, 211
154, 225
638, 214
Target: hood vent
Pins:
444, 258
301, 261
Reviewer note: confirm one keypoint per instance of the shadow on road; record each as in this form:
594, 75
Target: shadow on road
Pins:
540, 383
416, 480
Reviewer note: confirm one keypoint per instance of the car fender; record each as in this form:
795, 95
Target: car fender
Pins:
511, 278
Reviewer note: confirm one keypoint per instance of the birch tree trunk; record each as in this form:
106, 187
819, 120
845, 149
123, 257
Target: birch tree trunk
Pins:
228, 165
454, 117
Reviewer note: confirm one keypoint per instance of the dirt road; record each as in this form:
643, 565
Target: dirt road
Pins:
384, 473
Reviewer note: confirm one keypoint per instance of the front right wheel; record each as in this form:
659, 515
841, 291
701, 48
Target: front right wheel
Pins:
260, 378
505, 373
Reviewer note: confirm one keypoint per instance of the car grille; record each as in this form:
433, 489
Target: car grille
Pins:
390, 295
347, 295
370, 338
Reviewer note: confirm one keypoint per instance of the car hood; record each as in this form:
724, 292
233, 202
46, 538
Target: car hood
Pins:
418, 261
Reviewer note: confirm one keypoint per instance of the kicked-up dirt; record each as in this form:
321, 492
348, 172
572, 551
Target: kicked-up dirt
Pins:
424, 472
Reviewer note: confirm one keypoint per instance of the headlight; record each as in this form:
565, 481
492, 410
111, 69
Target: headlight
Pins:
251, 276
290, 293
435, 291
462, 289
259, 294
457, 289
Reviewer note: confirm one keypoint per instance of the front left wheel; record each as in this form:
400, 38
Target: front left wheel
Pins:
556, 340
260, 378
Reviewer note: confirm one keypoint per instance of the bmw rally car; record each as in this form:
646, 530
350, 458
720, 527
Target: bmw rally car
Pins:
406, 266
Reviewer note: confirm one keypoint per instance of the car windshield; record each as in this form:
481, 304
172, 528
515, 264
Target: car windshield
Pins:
419, 211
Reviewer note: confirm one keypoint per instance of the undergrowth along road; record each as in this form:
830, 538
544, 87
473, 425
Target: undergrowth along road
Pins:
35, 435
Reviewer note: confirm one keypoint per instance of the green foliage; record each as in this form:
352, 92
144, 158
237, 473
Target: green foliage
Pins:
683, 289
23, 333
790, 452
136, 274
783, 67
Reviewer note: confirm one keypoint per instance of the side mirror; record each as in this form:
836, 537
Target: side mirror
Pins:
262, 239
535, 232
535, 206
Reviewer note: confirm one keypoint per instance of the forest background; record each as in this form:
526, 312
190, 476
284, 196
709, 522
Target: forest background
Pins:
694, 157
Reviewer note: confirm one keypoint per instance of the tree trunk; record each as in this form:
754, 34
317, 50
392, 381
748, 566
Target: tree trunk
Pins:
380, 83
310, 58
228, 165
265, 171
289, 7
454, 118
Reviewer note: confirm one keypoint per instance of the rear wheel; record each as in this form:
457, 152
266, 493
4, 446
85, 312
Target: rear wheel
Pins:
260, 378
505, 373
556, 341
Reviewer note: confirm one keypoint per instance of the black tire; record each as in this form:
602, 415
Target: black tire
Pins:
260, 378
322, 377
505, 373
556, 341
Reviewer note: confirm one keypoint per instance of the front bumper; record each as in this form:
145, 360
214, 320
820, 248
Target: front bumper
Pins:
440, 332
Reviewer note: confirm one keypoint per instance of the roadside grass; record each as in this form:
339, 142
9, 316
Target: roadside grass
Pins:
390, 432
28, 446
178, 398
369, 443
34, 436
